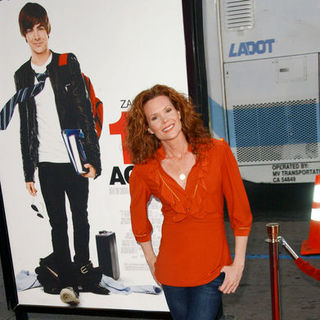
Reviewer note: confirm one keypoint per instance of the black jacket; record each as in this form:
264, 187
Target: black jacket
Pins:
73, 107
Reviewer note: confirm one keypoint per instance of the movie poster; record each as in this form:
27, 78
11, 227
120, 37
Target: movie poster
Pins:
124, 46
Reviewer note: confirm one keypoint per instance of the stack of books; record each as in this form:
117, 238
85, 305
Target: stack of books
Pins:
73, 141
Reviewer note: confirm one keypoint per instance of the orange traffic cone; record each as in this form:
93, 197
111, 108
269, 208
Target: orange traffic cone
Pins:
312, 245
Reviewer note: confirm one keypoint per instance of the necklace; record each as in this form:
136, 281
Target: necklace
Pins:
182, 176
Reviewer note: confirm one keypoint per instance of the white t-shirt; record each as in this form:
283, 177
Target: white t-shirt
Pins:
51, 145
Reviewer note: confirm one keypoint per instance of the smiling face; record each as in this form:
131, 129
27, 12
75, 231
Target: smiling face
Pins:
37, 39
163, 118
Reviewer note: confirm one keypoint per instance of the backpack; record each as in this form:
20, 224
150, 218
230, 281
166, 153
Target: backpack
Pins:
47, 275
96, 103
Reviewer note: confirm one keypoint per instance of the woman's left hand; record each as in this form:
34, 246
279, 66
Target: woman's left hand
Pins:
233, 275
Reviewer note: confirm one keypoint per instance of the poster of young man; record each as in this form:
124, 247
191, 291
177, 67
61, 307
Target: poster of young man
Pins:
64, 223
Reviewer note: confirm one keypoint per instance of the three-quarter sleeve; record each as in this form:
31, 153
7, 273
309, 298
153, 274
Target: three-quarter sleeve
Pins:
237, 201
140, 195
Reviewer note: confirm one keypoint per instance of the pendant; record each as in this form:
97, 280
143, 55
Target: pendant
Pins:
182, 176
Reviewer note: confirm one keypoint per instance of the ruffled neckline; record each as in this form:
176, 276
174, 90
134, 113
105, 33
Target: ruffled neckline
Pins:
183, 202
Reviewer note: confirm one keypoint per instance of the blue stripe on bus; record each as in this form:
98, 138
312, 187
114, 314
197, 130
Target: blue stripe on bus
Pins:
217, 116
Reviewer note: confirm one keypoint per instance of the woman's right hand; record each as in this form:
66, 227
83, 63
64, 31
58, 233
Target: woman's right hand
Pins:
150, 257
151, 263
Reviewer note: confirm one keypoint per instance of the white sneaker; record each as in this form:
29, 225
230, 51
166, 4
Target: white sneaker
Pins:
70, 296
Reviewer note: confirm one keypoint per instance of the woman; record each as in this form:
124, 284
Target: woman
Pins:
178, 162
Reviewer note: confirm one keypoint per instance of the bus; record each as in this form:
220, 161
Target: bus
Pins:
262, 69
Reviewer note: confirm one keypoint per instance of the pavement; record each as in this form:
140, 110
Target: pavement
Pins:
299, 293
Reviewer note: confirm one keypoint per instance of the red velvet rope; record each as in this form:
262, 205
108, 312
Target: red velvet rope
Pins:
307, 268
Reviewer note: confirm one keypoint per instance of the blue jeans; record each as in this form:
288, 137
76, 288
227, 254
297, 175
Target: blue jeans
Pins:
194, 303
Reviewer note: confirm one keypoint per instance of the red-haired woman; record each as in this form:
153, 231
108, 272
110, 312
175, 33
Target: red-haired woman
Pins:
178, 162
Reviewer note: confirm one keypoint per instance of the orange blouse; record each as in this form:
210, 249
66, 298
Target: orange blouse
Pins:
193, 246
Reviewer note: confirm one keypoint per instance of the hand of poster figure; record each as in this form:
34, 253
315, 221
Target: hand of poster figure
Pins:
92, 171
31, 188
233, 275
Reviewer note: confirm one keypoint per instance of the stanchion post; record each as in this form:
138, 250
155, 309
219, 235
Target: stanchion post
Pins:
273, 233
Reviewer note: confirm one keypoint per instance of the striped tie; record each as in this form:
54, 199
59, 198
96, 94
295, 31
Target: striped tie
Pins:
21, 95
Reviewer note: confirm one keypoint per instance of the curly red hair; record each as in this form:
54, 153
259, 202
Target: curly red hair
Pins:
142, 145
